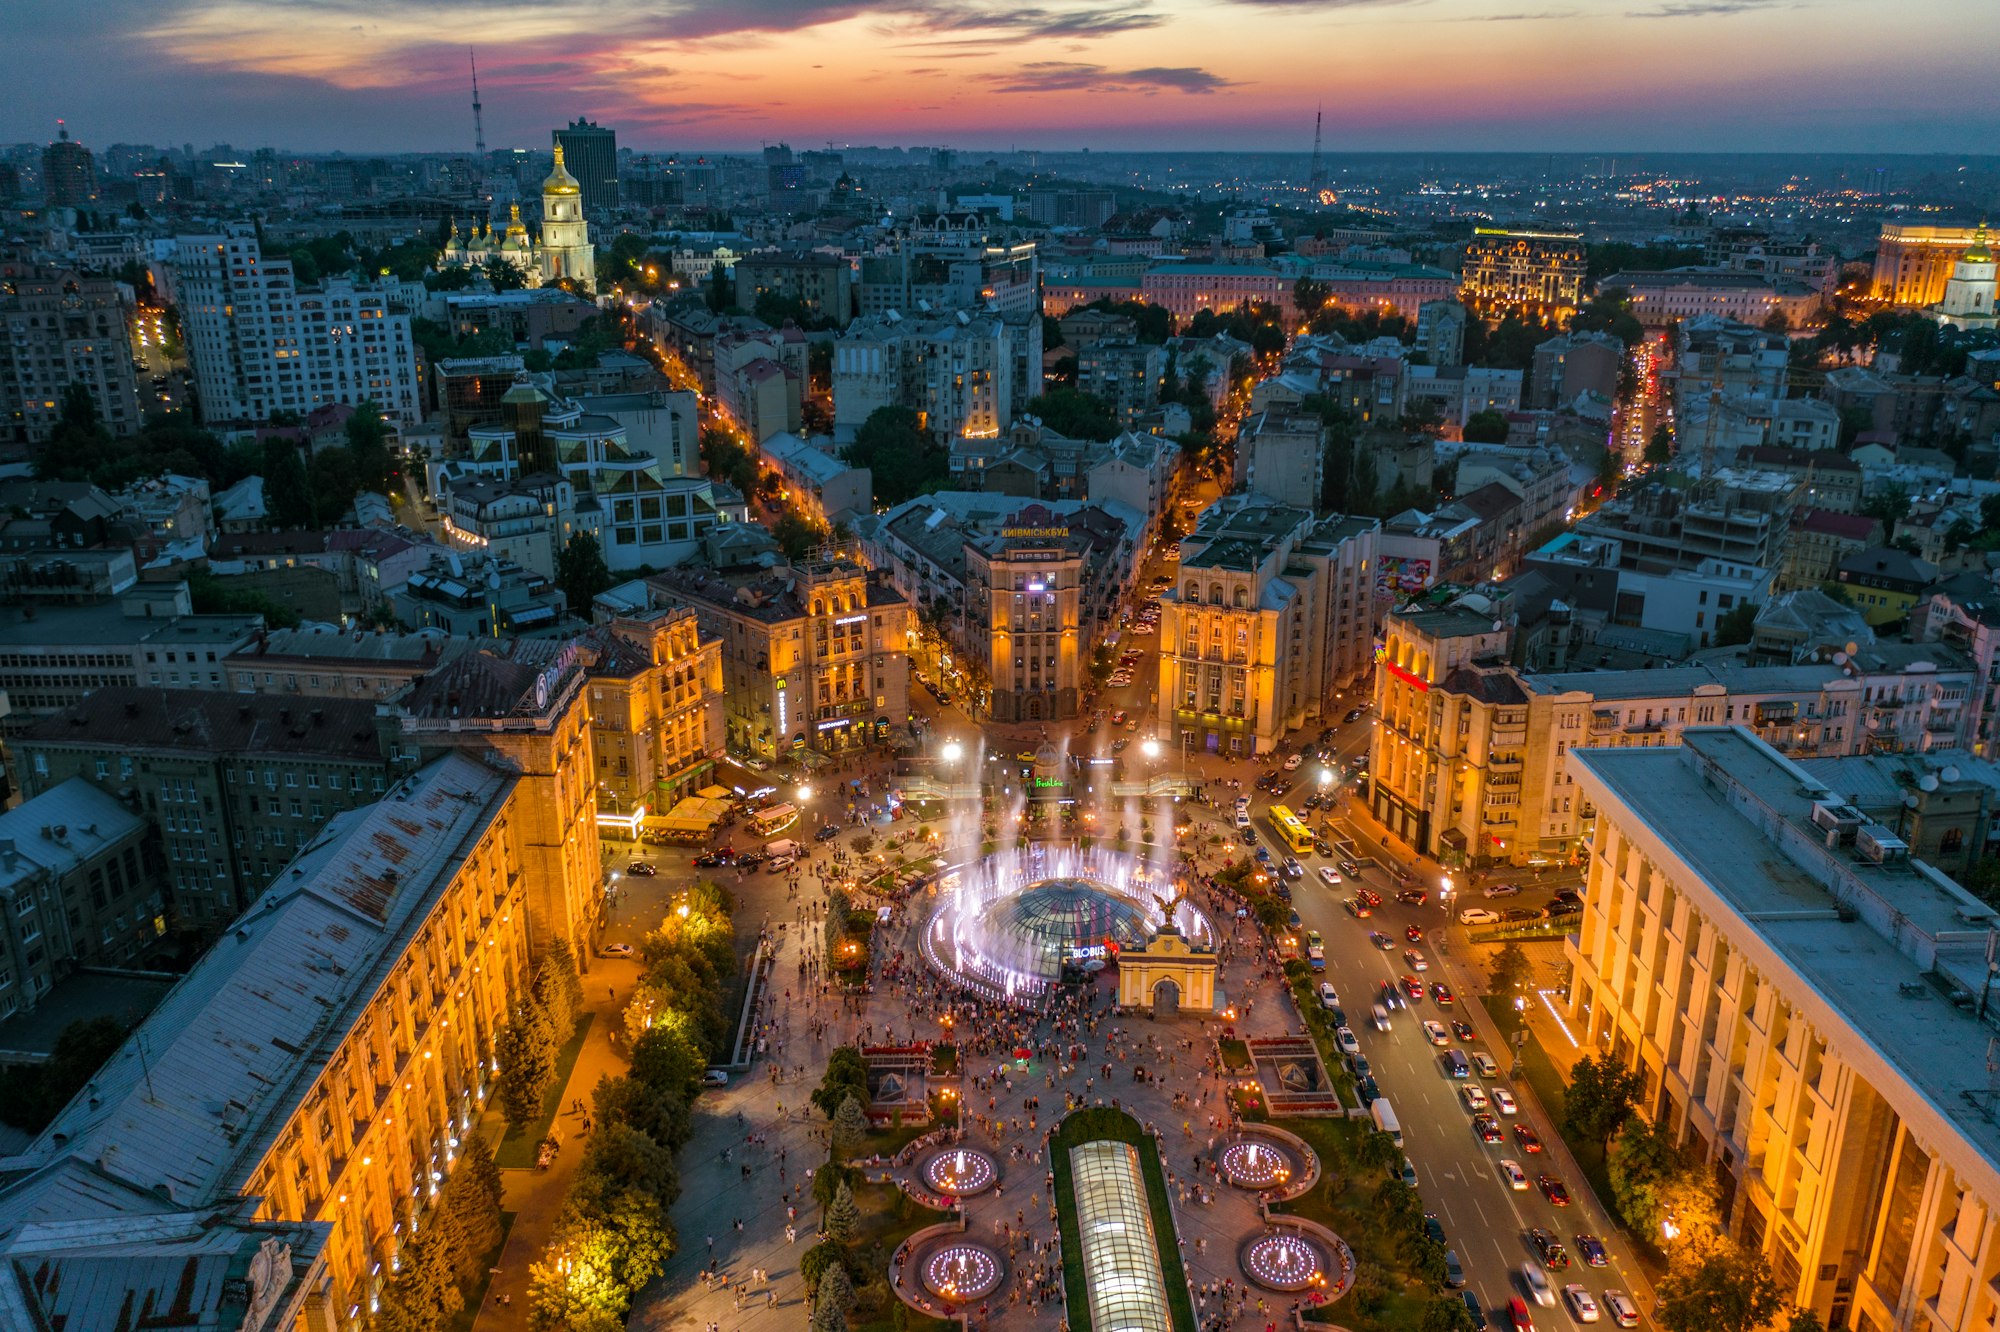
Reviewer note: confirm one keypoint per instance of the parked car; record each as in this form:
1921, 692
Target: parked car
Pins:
1344, 1038
1502, 890
1478, 916
1327, 997
615, 950
714, 1077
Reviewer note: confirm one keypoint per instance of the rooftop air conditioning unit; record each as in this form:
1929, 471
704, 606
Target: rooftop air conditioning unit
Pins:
1879, 846
1839, 822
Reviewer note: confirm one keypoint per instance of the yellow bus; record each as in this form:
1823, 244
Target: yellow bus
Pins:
1292, 829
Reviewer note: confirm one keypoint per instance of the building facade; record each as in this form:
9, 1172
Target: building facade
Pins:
57, 329
656, 711
1025, 625
1505, 268
592, 152
1913, 263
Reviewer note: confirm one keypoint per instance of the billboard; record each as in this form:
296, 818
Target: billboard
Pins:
1402, 575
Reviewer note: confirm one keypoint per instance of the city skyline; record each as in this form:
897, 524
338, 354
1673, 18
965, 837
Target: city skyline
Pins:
1585, 76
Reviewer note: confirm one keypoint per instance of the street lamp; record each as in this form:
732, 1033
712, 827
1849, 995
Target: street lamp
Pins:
953, 751
1151, 749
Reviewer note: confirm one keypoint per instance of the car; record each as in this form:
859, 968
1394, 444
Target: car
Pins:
1313, 939
1416, 960
1413, 897
1379, 1015
1537, 1282
1294, 870
1553, 1189
1243, 818
1463, 1030
1132, 725
1478, 916
615, 950
1327, 997
1381, 940
1367, 1090
1474, 1097
1548, 1248
1119, 679
1517, 1178
1488, 1129
1518, 1317
1434, 1228
1623, 1311
1118, 719
1329, 876
1503, 1101
643, 868
1436, 1034
1118, 745
1472, 1307
1368, 895
1292, 921
751, 859
1322, 849
1581, 1306
1292, 761
1391, 997
1484, 1063
1359, 909
1441, 993
779, 864
827, 832
1264, 855
1344, 1038
1413, 987
1349, 865
1414, 933
1409, 1172
1592, 1251
714, 1077
1357, 1064
1520, 915
1502, 890
1353, 715
1527, 1139
713, 859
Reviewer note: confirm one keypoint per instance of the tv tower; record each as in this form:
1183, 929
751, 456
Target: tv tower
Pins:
1317, 182
478, 124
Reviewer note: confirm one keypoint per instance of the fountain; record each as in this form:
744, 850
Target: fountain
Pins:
1006, 926
1284, 1260
961, 1172
961, 1272
1249, 1164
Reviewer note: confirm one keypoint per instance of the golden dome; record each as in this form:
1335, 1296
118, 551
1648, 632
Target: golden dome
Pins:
560, 181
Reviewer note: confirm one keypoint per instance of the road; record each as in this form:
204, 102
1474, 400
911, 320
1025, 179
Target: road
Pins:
1485, 1221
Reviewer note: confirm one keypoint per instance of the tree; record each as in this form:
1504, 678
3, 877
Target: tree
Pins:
1660, 447
473, 1194
846, 1074
1310, 297
1378, 1149
33, 1094
796, 534
1982, 881
1725, 1288
1075, 414
1485, 427
581, 572
1447, 1313
1804, 1320
833, 1299
526, 1050
814, 1262
1736, 624
1601, 1097
1652, 1178
1958, 535
1511, 970
1890, 504
850, 1126
288, 496
842, 1215
902, 459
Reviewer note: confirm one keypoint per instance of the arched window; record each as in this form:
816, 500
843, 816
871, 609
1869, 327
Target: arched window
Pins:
1242, 598
1215, 594
1194, 593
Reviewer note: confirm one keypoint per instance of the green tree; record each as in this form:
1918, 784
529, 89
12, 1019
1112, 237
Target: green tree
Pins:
288, 497
212, 594
581, 572
1643, 1166
1310, 297
472, 1194
368, 446
1736, 624
526, 1049
1982, 881
1726, 1288
33, 1094
1379, 1150
1890, 504
1958, 535
622, 1153
833, 1299
1804, 1320
842, 1215
1660, 447
814, 1262
797, 534
504, 276
849, 1128
902, 459
1075, 414
1447, 1313
1601, 1098
1511, 972
1486, 427
846, 1075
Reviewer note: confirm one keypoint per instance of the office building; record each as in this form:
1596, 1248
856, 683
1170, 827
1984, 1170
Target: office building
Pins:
60, 328
319, 661
814, 654
1914, 262
69, 180
260, 344
1662, 299
1272, 616
375, 973
235, 784
1802, 999
1025, 629
1505, 268
81, 876
656, 712
591, 152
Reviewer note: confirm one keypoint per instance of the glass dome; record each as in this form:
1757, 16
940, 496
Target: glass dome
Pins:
1061, 914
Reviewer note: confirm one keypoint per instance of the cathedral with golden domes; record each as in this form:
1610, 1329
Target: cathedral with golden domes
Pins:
564, 252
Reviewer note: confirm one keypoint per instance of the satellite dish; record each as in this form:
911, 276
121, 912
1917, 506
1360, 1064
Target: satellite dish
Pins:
1949, 772
1909, 800
1840, 658
1928, 782
1853, 648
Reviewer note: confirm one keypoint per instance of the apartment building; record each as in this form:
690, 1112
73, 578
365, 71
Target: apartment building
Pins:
822, 283
1803, 999
235, 784
375, 973
814, 654
1572, 365
954, 373
1271, 616
1125, 375
656, 712
60, 328
1282, 456
260, 344
818, 485
322, 662
1025, 626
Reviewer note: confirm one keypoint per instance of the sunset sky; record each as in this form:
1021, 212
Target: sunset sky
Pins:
1619, 75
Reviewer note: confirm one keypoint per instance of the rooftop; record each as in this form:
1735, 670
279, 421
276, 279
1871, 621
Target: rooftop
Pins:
324, 643
1819, 923
1681, 681
89, 820
137, 718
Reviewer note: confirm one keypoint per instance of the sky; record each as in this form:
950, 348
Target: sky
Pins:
1465, 75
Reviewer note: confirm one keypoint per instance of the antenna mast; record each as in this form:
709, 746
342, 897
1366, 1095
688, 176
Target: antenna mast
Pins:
478, 124
1317, 182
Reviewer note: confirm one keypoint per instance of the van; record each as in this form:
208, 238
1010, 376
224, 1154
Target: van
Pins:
1454, 1064
1385, 1119
784, 846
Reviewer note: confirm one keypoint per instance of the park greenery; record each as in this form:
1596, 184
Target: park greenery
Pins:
542, 1021
902, 458
446, 1259
612, 1234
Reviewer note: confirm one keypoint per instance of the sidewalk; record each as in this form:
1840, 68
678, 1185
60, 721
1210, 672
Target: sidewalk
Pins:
535, 1196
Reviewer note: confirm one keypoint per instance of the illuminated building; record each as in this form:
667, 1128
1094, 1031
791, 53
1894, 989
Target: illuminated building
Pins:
57, 329
1024, 587
814, 654
1913, 263
1804, 1001
69, 179
953, 372
1187, 289
655, 712
1967, 302
563, 253
1663, 299
1273, 613
1505, 268
374, 975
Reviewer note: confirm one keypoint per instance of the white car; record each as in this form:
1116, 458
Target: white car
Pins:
1503, 1101
1484, 1063
714, 1077
1435, 1033
1517, 1178
1329, 876
1474, 1097
1292, 762
1328, 997
1344, 1038
1581, 1306
1416, 960
1537, 1282
1478, 916
1623, 1311
615, 950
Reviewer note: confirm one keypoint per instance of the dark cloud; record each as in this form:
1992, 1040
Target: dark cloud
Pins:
1704, 8
1045, 76
1332, 4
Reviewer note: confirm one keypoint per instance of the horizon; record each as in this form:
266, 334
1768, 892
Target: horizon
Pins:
1732, 77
